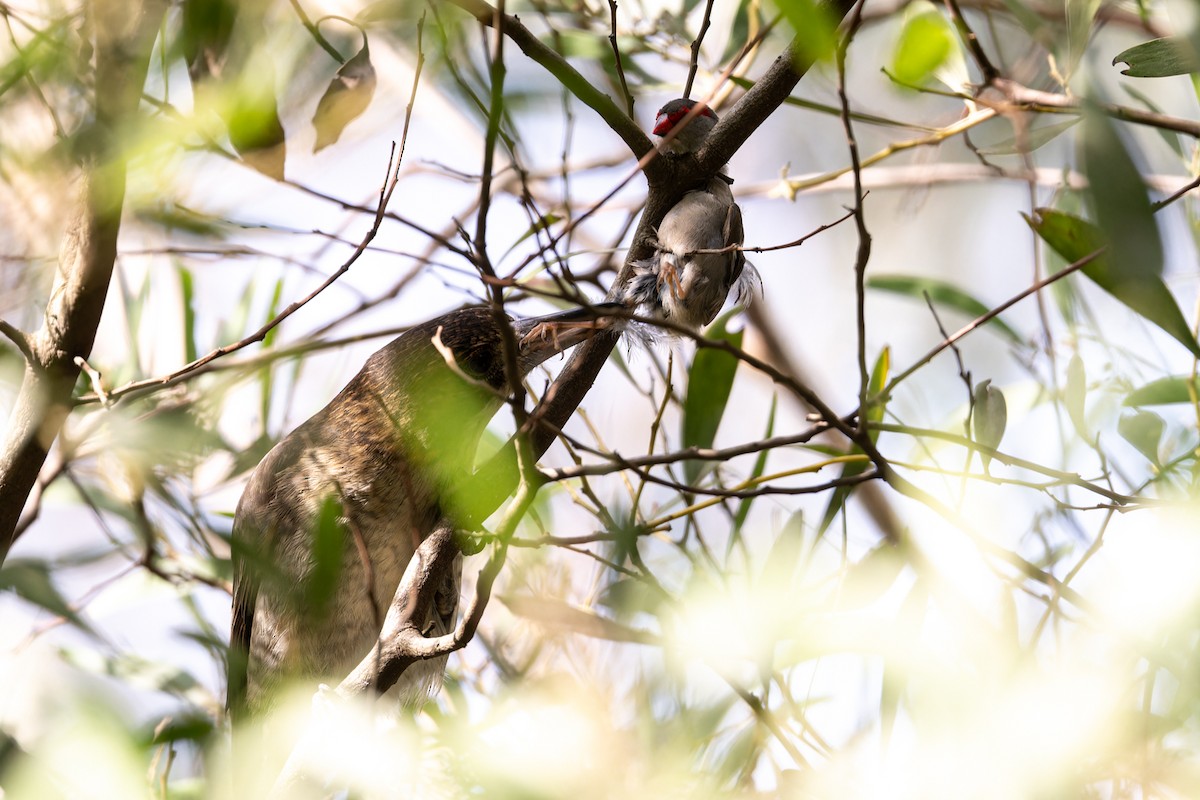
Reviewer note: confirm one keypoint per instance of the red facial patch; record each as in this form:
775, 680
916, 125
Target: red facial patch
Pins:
666, 122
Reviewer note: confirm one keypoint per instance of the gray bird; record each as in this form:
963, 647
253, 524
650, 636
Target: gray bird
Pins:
680, 282
354, 490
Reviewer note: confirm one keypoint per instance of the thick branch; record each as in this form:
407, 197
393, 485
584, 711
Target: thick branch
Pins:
124, 34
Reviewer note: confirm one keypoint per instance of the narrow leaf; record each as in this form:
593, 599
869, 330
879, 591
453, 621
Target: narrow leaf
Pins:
710, 380
1159, 58
1034, 138
942, 294
1165, 391
1075, 394
1118, 199
1074, 238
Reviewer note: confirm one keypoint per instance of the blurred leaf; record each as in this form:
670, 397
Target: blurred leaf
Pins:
779, 567
926, 41
327, 545
346, 98
1159, 58
1174, 140
189, 727
268, 341
739, 30
867, 579
629, 596
31, 581
559, 615
1034, 138
1075, 394
233, 324
740, 755
942, 294
760, 464
1144, 292
1080, 17
990, 417
814, 25
542, 223
710, 380
1164, 391
1118, 199
873, 413
205, 29
1143, 430
187, 301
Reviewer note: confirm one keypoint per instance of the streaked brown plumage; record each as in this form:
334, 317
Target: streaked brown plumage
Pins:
378, 463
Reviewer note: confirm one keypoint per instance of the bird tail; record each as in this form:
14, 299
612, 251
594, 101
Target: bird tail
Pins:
748, 286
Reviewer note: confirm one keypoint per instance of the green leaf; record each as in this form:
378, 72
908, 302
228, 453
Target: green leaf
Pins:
1075, 394
1165, 391
1074, 238
814, 25
1118, 199
266, 373
866, 580
942, 294
327, 546
1174, 140
31, 581
710, 380
187, 299
1034, 138
990, 416
926, 41
1159, 58
1143, 430
874, 413
739, 30
760, 465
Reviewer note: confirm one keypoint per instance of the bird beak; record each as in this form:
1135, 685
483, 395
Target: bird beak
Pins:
543, 337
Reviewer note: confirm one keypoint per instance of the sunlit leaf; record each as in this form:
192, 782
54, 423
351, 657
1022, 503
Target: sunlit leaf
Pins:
1144, 292
710, 380
813, 24
187, 316
1075, 394
1143, 430
345, 99
942, 294
1159, 58
1165, 391
926, 41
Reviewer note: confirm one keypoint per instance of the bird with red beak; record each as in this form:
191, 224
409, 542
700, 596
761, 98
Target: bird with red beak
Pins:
697, 257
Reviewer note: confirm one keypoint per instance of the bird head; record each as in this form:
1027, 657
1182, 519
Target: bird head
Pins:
693, 133
475, 339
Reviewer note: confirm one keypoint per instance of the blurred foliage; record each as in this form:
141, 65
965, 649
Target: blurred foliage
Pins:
789, 620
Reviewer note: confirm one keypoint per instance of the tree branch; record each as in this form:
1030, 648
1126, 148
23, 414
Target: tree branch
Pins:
124, 36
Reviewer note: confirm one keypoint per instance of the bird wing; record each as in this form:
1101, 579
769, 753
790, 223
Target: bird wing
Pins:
253, 539
734, 235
